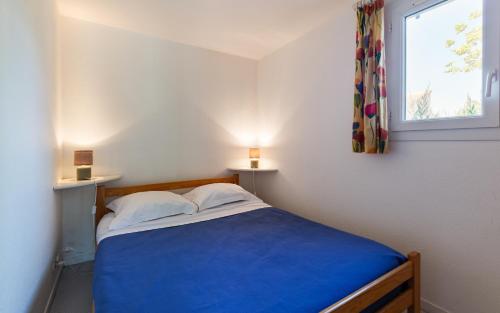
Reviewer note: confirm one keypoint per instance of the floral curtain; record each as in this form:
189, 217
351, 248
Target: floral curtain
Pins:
370, 125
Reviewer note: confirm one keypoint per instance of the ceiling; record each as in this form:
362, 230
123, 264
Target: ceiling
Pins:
247, 28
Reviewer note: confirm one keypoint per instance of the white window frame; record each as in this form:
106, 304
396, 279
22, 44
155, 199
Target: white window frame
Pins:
396, 14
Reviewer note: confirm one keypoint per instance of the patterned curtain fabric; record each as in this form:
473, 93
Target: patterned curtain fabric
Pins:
370, 125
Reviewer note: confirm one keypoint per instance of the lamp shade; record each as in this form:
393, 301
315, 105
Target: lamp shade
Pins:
83, 157
254, 153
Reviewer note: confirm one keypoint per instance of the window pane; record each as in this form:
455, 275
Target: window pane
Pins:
444, 61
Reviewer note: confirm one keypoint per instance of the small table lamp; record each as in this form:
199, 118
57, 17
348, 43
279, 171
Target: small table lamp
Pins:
83, 160
254, 155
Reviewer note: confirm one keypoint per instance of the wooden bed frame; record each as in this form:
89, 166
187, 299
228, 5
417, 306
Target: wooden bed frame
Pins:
406, 275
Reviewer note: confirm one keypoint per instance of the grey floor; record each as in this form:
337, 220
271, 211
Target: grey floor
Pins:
74, 291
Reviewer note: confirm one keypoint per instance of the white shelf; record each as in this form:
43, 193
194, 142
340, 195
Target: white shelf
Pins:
246, 169
68, 183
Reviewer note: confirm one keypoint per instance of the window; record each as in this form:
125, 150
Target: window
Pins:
442, 59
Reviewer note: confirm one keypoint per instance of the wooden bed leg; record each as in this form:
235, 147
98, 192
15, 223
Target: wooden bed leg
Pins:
414, 257
100, 204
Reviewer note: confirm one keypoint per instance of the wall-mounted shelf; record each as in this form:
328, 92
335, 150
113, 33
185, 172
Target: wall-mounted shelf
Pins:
68, 183
246, 169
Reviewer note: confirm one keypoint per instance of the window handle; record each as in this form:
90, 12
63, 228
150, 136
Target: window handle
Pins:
492, 76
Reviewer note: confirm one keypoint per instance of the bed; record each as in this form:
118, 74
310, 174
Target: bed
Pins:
245, 257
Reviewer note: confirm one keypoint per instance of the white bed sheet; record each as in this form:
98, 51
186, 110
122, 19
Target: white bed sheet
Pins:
103, 230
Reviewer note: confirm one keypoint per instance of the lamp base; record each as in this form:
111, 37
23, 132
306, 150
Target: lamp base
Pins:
254, 164
83, 173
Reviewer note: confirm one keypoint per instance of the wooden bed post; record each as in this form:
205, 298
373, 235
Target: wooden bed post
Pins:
236, 179
100, 204
414, 258
409, 272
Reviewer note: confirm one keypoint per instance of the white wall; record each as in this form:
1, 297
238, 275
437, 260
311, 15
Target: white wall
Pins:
440, 198
29, 215
152, 110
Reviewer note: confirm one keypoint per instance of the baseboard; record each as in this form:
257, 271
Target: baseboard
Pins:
52, 293
77, 258
429, 307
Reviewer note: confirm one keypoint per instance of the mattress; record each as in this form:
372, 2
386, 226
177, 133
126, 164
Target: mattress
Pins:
252, 260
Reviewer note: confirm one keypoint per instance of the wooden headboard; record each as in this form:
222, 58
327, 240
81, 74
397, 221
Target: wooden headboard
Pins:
103, 193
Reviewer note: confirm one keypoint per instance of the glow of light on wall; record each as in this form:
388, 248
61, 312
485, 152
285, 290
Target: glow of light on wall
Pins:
250, 136
90, 121
88, 137
244, 139
265, 139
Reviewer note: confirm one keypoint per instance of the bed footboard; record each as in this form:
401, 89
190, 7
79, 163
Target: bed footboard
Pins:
409, 300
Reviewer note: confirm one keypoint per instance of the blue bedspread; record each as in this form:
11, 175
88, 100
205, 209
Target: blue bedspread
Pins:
265, 260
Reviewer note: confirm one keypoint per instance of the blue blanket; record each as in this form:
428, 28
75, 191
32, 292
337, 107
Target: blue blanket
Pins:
265, 260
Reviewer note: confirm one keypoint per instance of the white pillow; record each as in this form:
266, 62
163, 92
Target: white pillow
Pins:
212, 195
146, 206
